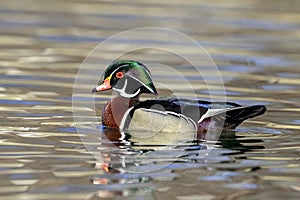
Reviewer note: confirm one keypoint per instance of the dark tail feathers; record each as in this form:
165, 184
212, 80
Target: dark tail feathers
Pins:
235, 117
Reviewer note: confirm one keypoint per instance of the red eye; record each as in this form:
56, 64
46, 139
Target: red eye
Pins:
119, 74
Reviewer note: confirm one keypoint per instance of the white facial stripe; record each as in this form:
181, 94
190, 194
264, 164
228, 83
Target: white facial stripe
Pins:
148, 72
125, 65
142, 83
122, 91
124, 94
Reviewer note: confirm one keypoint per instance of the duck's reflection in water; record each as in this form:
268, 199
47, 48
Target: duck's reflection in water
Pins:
131, 159
143, 152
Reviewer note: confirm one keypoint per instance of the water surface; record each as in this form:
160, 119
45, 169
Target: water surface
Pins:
255, 45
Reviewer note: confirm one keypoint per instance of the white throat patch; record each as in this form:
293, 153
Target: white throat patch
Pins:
124, 94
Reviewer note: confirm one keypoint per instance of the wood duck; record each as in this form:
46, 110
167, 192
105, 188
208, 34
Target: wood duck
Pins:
129, 79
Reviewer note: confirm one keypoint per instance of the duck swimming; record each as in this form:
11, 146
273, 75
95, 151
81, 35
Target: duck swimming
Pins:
129, 79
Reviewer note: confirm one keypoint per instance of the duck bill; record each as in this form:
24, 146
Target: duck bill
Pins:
105, 85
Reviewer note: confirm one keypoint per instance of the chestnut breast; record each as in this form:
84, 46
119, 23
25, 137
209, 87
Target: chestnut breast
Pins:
115, 109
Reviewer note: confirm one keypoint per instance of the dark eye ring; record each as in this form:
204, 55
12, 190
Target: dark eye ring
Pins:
119, 74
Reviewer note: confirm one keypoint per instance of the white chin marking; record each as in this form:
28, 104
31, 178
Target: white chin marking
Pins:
124, 94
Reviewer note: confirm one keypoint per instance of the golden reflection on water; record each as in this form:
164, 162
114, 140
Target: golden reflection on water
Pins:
255, 46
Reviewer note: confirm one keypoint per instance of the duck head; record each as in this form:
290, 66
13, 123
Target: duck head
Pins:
128, 78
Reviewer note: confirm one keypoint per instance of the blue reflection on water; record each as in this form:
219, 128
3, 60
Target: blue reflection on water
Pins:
22, 102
